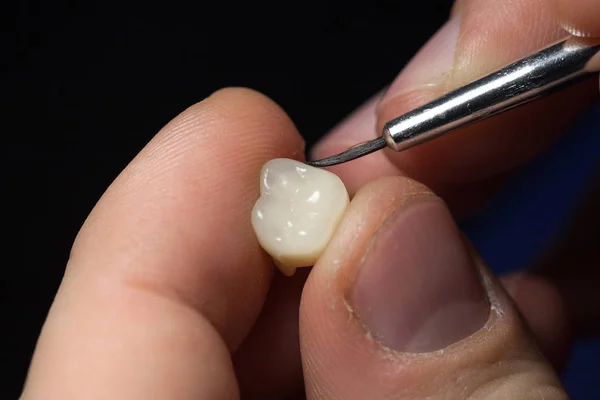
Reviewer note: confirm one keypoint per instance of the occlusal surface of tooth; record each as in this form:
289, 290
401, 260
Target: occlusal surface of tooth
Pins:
297, 213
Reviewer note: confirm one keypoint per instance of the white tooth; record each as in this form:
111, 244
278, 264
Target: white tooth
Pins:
298, 210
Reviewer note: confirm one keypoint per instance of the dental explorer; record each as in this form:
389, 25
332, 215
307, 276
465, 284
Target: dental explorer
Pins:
556, 67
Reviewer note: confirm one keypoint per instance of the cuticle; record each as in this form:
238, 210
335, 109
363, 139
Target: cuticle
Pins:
485, 278
495, 305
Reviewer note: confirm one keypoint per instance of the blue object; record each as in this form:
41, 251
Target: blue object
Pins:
531, 210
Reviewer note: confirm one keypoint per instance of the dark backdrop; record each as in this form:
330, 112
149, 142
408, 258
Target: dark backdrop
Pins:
85, 86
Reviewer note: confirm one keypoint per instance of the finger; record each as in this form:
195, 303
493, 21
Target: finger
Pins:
166, 277
542, 306
268, 362
398, 307
579, 17
482, 35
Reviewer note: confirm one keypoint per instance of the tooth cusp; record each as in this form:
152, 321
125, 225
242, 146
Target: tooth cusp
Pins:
297, 213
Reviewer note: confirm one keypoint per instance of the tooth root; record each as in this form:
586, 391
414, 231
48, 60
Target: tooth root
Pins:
297, 213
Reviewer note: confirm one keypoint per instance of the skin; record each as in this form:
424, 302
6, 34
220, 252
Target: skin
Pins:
160, 300
581, 20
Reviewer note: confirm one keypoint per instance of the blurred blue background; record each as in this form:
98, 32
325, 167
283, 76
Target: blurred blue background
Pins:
513, 230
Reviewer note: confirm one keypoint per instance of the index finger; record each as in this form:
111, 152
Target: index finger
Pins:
166, 277
580, 17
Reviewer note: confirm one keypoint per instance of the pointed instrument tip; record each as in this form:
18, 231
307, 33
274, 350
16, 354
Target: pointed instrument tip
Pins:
354, 152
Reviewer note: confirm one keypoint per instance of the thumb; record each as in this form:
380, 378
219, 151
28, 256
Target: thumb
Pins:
399, 307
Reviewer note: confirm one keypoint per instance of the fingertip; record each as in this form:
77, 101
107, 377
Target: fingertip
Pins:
396, 302
265, 124
240, 99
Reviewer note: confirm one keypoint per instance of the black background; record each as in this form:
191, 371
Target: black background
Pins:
85, 86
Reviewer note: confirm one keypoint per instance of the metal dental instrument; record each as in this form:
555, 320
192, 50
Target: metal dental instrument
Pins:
556, 67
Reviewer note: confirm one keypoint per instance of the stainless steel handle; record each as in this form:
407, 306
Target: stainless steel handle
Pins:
523, 81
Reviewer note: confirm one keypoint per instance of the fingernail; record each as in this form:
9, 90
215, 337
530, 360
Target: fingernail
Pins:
417, 289
434, 61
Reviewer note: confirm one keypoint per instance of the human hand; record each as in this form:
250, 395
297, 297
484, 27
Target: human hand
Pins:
468, 166
168, 295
